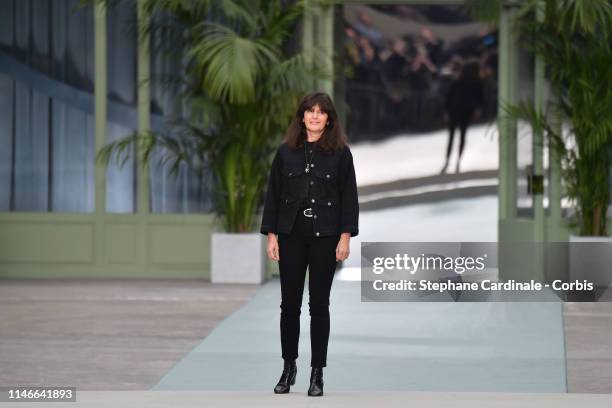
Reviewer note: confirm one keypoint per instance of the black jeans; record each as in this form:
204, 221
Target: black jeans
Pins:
299, 250
462, 122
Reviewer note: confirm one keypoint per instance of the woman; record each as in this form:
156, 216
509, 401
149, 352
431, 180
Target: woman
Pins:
463, 104
310, 214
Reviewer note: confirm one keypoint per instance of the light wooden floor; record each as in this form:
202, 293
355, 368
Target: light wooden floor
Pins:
588, 347
106, 335
124, 335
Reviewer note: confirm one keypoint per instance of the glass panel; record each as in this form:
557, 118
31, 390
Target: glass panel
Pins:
188, 192
73, 158
7, 24
31, 150
45, 119
6, 139
121, 190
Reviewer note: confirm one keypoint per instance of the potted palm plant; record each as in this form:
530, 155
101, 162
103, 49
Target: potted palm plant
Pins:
578, 62
241, 85
574, 40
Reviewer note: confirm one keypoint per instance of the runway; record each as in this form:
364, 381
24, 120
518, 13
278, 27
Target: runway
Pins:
435, 347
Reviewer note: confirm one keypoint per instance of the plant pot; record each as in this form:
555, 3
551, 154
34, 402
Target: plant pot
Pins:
238, 258
590, 258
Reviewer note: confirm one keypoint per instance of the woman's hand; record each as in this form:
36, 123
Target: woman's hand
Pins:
342, 249
273, 247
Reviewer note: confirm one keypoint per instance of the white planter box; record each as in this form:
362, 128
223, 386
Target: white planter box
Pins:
590, 258
238, 258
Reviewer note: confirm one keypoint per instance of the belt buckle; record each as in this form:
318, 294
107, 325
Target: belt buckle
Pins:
308, 212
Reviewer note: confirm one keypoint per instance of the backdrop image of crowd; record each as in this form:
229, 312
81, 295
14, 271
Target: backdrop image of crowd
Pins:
401, 60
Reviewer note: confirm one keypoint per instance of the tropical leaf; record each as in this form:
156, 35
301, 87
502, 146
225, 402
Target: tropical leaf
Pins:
585, 15
229, 64
279, 22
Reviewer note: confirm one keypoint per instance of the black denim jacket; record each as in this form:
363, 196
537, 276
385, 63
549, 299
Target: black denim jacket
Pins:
329, 186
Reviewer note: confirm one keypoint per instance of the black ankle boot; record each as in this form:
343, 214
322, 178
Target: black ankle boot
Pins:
287, 377
316, 382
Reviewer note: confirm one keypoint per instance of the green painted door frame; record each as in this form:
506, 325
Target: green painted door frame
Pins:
543, 226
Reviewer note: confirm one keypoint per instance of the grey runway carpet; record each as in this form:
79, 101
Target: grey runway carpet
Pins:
477, 347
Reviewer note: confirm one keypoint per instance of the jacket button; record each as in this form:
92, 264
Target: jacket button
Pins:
290, 174
317, 234
312, 165
315, 216
329, 203
327, 175
311, 183
313, 200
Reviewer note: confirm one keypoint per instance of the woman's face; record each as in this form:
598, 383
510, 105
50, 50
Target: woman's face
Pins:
315, 119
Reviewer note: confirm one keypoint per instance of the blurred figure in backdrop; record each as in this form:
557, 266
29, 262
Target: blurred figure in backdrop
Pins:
366, 29
463, 104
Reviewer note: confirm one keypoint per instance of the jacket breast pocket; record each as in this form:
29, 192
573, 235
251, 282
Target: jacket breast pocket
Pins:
325, 183
293, 179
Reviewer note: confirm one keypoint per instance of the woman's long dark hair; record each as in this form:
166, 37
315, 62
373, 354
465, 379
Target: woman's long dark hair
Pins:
333, 136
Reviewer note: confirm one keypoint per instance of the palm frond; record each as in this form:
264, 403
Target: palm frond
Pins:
585, 15
296, 72
278, 25
237, 15
229, 64
120, 150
